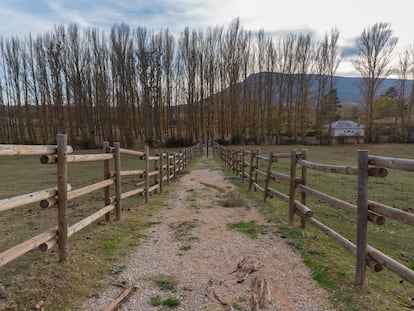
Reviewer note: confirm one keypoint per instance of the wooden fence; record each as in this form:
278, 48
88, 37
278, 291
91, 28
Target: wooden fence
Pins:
166, 167
246, 164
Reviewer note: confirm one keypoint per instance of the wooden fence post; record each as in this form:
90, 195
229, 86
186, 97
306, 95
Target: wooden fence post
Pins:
304, 174
268, 172
257, 167
251, 169
62, 176
175, 165
292, 187
118, 190
242, 164
146, 175
156, 177
168, 171
362, 218
107, 174
161, 170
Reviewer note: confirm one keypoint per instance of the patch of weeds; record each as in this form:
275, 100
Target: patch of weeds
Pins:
232, 199
110, 245
236, 306
165, 282
185, 247
194, 206
183, 229
296, 245
251, 228
117, 270
151, 223
155, 301
171, 303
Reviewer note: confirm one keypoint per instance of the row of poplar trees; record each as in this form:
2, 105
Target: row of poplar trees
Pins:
137, 85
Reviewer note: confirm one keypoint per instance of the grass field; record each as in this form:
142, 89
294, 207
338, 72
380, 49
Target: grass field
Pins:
99, 252
332, 266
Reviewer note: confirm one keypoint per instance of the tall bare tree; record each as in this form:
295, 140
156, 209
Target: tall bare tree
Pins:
375, 47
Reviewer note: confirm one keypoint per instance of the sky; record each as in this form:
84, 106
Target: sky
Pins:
276, 17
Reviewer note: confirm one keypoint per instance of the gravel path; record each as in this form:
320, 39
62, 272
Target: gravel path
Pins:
192, 256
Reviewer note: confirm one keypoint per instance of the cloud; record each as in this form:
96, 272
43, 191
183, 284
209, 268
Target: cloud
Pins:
349, 51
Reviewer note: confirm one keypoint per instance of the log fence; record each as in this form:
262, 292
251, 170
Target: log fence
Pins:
166, 167
365, 210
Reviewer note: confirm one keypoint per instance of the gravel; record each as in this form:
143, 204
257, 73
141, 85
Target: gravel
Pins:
193, 245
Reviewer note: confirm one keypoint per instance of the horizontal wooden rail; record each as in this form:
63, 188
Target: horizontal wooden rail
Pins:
281, 155
260, 157
153, 188
391, 264
90, 188
303, 209
14, 150
257, 186
341, 169
280, 176
345, 243
279, 194
132, 193
348, 207
52, 159
131, 173
397, 163
10, 203
260, 172
150, 158
391, 212
26, 246
131, 152
90, 219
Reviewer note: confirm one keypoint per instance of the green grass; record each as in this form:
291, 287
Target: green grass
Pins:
168, 303
164, 282
332, 266
251, 228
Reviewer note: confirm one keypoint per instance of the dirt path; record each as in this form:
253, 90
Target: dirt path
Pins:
193, 258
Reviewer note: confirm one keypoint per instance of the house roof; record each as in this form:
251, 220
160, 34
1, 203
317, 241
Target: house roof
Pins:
346, 124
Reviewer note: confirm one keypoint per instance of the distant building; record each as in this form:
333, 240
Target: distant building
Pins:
347, 128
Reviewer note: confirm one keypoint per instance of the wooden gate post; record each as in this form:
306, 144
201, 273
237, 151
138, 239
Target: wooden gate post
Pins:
118, 190
62, 176
292, 187
362, 218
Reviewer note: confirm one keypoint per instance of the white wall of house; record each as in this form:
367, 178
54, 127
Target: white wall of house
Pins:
345, 128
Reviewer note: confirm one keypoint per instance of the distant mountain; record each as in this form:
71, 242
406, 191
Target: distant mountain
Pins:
348, 88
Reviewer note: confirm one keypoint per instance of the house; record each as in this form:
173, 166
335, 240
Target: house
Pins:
347, 128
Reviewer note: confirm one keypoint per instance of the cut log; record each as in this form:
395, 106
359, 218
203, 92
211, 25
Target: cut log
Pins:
121, 298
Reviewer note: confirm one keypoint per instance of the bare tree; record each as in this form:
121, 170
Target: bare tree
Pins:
327, 62
375, 46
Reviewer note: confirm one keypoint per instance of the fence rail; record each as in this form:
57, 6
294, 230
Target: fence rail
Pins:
165, 167
365, 210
